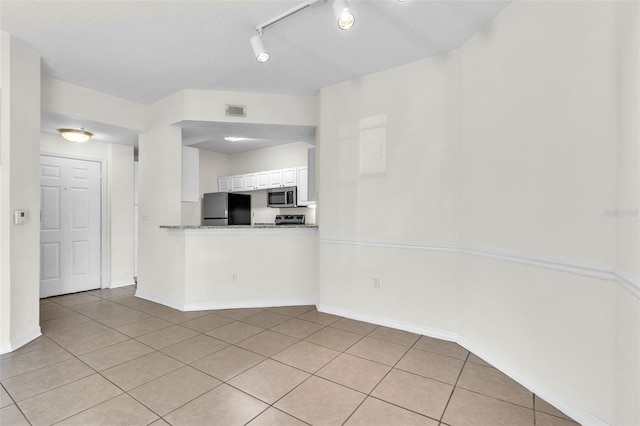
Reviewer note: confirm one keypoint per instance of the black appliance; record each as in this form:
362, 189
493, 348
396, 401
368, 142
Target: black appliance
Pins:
224, 208
290, 219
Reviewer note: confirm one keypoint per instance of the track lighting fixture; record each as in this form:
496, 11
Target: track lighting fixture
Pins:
259, 49
345, 18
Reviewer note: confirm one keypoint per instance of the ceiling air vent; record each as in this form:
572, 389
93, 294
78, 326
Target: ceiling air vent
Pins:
235, 110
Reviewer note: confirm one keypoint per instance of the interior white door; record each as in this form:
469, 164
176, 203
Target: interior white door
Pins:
70, 218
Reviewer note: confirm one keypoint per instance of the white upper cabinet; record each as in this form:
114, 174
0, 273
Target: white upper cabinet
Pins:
250, 182
275, 178
289, 176
262, 180
238, 183
190, 173
224, 184
303, 186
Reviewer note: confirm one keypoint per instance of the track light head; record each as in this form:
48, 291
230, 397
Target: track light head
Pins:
259, 49
345, 17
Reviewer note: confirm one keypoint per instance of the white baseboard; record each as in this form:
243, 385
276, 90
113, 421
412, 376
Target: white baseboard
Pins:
20, 342
160, 300
124, 283
534, 385
266, 303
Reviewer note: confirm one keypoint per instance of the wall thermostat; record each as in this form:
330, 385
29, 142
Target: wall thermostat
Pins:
20, 217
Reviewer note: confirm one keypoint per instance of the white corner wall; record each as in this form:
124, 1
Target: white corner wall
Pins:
478, 187
19, 189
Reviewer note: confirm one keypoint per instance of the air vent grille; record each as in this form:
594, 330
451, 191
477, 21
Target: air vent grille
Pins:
235, 110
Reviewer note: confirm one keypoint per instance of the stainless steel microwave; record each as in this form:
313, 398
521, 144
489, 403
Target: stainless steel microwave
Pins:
282, 197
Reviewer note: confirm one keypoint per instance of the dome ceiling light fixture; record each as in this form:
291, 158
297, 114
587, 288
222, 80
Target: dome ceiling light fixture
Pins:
75, 135
345, 18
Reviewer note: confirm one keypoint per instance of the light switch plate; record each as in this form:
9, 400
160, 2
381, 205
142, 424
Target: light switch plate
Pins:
20, 217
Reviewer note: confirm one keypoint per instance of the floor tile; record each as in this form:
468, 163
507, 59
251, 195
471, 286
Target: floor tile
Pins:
275, 417
399, 337
267, 343
55, 312
169, 392
472, 409
334, 338
477, 360
265, 319
94, 342
441, 347
62, 322
319, 317
118, 320
234, 332
378, 350
354, 326
76, 331
111, 356
5, 399
228, 362
105, 309
121, 410
415, 393
491, 382
207, 322
75, 299
297, 328
545, 407
65, 401
353, 372
11, 416
167, 336
178, 317
238, 314
320, 402
269, 381
32, 360
46, 378
212, 408
139, 371
292, 311
544, 419
194, 348
376, 412
42, 342
306, 356
160, 422
432, 365
146, 326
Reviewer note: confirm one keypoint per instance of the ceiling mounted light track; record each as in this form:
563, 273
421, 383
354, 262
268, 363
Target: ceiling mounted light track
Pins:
345, 18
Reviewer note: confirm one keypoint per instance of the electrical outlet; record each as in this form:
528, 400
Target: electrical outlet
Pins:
234, 278
376, 282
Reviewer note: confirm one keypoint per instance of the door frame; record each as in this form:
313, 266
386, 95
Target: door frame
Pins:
104, 241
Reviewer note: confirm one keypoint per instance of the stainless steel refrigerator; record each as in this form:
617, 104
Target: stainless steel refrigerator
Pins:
224, 208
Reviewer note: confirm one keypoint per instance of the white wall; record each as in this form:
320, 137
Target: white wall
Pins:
20, 189
484, 210
120, 212
211, 164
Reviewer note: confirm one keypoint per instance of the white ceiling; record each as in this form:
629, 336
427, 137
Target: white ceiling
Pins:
146, 50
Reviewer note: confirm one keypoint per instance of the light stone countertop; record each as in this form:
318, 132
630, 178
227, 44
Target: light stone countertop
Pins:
256, 226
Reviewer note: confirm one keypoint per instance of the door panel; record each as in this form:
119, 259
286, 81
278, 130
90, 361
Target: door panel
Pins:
70, 236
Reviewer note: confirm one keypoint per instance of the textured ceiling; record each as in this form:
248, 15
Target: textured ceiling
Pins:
145, 50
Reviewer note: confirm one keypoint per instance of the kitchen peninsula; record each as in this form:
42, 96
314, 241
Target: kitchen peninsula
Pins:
244, 266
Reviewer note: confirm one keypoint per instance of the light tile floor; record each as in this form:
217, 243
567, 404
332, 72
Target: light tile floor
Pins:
107, 357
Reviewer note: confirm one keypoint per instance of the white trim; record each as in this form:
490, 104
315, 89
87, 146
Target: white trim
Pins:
162, 301
123, 283
538, 262
526, 380
267, 303
21, 341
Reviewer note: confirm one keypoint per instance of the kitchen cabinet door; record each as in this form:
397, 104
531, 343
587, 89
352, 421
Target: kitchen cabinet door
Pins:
224, 184
275, 178
262, 180
289, 176
250, 182
238, 183
303, 186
